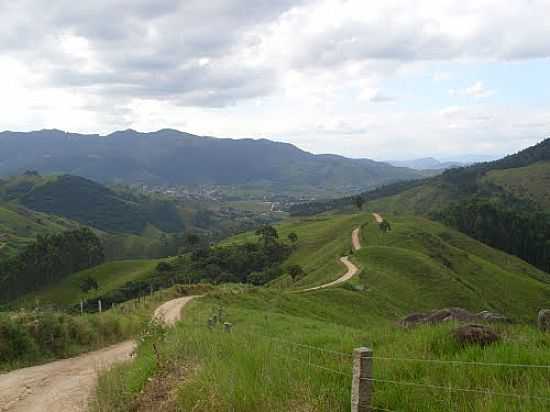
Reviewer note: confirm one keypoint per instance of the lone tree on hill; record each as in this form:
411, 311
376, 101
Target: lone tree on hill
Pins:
293, 237
295, 272
192, 240
268, 234
88, 283
385, 226
359, 202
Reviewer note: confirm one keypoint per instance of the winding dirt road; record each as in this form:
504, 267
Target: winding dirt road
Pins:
67, 384
351, 268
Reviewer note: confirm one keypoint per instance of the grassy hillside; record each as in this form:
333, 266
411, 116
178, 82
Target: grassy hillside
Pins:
419, 265
322, 240
423, 265
19, 227
292, 352
530, 183
109, 276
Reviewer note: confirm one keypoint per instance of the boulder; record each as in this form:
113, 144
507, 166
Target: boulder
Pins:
473, 334
492, 317
543, 320
451, 314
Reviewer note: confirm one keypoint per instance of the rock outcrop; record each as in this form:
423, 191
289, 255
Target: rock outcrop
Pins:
451, 314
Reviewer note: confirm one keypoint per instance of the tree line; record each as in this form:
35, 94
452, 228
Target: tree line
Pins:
521, 232
47, 260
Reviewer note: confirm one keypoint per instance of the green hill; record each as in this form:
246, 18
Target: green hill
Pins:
91, 203
109, 276
19, 227
419, 265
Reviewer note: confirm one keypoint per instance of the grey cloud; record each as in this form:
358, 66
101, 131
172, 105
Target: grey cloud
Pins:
146, 48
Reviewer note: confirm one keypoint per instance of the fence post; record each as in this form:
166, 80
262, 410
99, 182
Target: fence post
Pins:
99, 305
81, 307
362, 386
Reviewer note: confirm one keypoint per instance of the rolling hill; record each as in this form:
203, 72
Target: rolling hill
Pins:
503, 203
173, 157
90, 203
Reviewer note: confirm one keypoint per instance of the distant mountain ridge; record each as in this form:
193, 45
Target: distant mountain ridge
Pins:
173, 157
426, 163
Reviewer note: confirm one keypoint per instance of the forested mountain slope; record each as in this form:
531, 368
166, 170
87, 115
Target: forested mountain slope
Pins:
90, 203
172, 157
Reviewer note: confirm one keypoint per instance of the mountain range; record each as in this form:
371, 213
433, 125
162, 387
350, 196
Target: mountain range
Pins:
173, 157
426, 163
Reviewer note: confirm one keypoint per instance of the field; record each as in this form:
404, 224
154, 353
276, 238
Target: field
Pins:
109, 276
291, 350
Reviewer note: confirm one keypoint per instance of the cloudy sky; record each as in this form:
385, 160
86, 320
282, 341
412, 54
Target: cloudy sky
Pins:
381, 79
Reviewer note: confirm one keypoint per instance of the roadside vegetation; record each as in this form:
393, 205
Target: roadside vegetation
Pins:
29, 337
32, 337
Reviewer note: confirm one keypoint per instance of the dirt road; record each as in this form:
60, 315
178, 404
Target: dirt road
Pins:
355, 239
67, 384
351, 268
351, 272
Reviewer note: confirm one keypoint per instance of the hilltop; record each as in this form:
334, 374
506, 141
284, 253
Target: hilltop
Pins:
172, 157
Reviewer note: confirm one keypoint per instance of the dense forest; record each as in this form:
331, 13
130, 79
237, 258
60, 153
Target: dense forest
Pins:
48, 259
93, 204
519, 232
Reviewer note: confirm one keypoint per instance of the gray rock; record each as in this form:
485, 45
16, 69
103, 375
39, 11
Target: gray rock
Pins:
543, 320
475, 335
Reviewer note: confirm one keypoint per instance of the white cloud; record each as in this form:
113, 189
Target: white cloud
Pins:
312, 72
477, 90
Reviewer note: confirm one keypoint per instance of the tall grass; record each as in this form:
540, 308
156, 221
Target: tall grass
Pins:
268, 363
28, 338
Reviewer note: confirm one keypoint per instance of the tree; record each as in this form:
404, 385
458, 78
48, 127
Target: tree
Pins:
295, 272
359, 201
88, 283
268, 234
192, 240
385, 226
164, 267
293, 237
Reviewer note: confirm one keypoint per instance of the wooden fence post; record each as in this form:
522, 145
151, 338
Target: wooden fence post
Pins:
362, 385
99, 305
81, 307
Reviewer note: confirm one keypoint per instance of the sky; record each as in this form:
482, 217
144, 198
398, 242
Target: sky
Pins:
379, 79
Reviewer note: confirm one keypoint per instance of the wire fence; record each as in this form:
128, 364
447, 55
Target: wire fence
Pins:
347, 357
